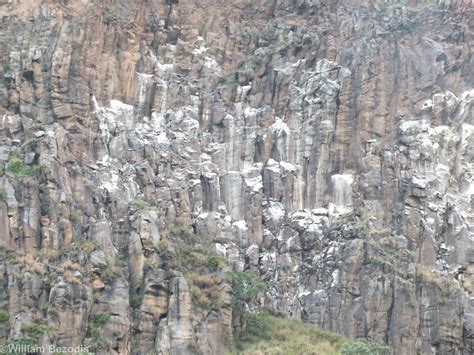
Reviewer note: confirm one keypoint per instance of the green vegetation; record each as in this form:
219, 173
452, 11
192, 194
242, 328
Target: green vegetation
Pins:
365, 347
10, 255
167, 256
286, 45
4, 320
445, 285
140, 204
387, 218
180, 230
18, 168
253, 64
214, 263
266, 334
426, 5
24, 341
95, 337
115, 270
36, 329
110, 16
180, 250
53, 313
135, 301
3, 195
4, 316
185, 259
101, 319
76, 216
159, 211
31, 333
376, 261
120, 260
200, 270
364, 219
27, 142
204, 290
246, 287
85, 245
110, 273
258, 332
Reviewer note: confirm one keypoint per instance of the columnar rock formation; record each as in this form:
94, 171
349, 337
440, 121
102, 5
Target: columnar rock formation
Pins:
325, 145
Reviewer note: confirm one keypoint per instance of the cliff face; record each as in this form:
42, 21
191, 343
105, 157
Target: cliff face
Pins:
325, 145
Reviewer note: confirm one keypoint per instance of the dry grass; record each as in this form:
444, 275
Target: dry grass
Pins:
70, 278
445, 283
69, 265
204, 290
31, 265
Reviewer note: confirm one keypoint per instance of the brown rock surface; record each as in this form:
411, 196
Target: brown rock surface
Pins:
327, 145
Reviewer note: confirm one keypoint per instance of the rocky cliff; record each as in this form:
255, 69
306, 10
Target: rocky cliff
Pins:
148, 147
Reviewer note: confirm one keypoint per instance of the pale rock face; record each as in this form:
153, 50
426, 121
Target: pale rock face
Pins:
327, 146
178, 321
71, 304
342, 193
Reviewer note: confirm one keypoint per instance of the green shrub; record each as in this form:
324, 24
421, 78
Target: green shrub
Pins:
85, 245
4, 316
36, 329
180, 231
53, 313
31, 333
18, 168
4, 320
94, 337
3, 195
120, 260
365, 347
246, 286
135, 301
75, 216
376, 261
110, 16
167, 256
253, 64
257, 324
110, 273
187, 259
101, 319
25, 342
214, 263
140, 204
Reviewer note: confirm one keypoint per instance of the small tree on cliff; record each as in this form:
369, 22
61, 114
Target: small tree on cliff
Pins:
246, 287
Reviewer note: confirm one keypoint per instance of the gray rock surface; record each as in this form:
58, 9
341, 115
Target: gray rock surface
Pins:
327, 146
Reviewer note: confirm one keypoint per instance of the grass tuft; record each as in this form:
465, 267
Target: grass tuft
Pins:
265, 334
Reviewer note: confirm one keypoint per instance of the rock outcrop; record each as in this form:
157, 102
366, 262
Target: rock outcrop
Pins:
326, 145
